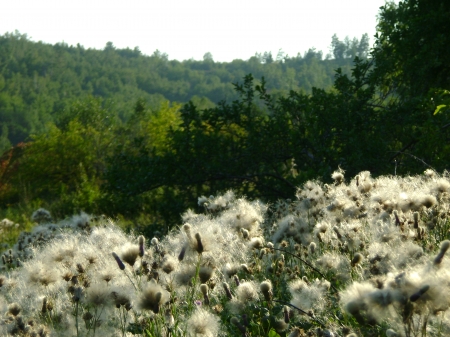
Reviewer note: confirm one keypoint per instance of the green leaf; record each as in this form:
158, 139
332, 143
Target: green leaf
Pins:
273, 333
439, 108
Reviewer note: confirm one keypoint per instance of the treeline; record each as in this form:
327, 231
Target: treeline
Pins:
389, 116
39, 82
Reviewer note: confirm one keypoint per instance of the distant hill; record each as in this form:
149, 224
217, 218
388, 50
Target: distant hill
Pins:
39, 81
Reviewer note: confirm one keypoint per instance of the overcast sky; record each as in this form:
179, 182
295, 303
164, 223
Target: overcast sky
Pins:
184, 29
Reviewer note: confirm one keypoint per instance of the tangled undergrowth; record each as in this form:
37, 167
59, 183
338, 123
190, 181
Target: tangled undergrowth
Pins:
362, 258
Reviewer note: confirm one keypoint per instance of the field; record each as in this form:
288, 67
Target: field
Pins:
363, 257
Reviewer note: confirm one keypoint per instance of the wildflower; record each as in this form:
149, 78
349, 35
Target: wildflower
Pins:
184, 275
182, 253
169, 264
246, 291
141, 241
284, 244
427, 201
230, 270
445, 245
199, 246
77, 294
153, 297
202, 323
429, 173
91, 259
245, 233
357, 258
442, 186
296, 332
42, 275
280, 325
416, 219
14, 309
245, 268
98, 295
168, 317
226, 287
107, 276
187, 230
204, 290
397, 219
121, 299
41, 216
87, 316
119, 261
205, 273
312, 247
80, 268
256, 242
414, 297
266, 289
130, 254
338, 176
235, 321
67, 276
287, 314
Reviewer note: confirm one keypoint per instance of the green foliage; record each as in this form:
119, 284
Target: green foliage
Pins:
40, 82
412, 50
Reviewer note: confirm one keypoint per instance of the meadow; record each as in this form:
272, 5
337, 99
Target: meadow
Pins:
362, 256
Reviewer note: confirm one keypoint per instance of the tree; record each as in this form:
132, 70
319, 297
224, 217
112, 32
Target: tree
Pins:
363, 47
412, 47
350, 48
208, 57
411, 70
5, 144
337, 47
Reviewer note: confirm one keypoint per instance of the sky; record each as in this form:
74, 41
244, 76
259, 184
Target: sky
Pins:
185, 29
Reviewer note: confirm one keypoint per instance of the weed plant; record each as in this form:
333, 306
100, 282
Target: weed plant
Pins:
365, 257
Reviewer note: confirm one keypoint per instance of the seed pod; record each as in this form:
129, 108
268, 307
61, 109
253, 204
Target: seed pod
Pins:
199, 246
182, 253
119, 261
141, 241
226, 287
356, 259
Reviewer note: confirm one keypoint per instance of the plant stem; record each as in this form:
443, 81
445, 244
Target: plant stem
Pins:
76, 317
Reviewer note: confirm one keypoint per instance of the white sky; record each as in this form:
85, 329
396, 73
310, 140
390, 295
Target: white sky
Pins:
184, 29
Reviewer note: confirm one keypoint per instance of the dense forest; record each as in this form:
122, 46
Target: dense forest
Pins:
40, 82
140, 137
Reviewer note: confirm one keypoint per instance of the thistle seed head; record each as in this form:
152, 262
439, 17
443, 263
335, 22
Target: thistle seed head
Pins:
14, 309
356, 259
153, 297
266, 289
205, 273
131, 254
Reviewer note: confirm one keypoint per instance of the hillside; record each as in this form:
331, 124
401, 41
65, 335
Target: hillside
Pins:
38, 81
